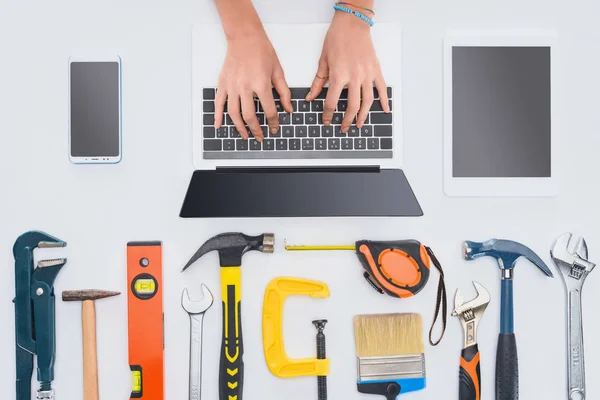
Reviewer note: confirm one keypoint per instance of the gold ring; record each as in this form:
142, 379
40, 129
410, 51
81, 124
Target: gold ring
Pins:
320, 77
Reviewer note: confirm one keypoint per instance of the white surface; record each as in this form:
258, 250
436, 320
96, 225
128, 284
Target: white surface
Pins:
501, 187
41, 189
97, 159
298, 47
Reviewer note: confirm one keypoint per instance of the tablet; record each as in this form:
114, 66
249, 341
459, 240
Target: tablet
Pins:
499, 136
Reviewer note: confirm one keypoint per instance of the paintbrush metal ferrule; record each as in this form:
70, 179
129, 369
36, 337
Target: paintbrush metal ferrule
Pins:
391, 368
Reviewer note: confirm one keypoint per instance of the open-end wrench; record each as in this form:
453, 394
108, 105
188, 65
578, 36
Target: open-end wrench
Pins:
196, 310
470, 313
570, 256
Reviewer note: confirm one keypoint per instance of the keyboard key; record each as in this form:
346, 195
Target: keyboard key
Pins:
208, 119
377, 105
323, 94
294, 105
208, 94
212, 145
298, 119
268, 144
254, 144
338, 132
376, 93
301, 131
381, 118
383, 130
209, 132
275, 94
241, 144
344, 94
208, 106
337, 118
320, 118
373, 143
360, 143
265, 131
233, 133
278, 134
284, 118
303, 106
294, 144
333, 144
310, 118
346, 144
317, 105
228, 144
366, 130
222, 132
314, 131
326, 131
228, 120
386, 143
281, 144
287, 131
261, 118
321, 144
342, 105
308, 144
299, 93
353, 131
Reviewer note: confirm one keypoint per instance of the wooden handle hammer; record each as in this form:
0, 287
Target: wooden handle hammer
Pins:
88, 326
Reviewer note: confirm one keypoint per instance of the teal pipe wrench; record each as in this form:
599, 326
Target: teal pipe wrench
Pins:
34, 313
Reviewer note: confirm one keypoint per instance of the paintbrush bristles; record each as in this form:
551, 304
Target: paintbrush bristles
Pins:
388, 335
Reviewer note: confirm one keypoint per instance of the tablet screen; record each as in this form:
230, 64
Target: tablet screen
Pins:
501, 112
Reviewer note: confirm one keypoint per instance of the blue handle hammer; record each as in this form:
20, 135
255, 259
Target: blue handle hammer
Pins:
506, 252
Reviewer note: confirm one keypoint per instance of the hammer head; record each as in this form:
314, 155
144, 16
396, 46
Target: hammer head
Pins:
507, 252
232, 246
90, 294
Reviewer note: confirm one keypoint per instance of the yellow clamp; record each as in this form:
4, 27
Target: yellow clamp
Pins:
277, 360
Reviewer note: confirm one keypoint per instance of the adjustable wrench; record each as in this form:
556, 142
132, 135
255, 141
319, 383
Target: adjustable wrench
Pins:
470, 313
570, 256
196, 310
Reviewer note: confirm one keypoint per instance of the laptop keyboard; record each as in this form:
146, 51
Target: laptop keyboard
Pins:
302, 134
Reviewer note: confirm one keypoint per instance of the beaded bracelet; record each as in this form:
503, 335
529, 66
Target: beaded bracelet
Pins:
344, 3
355, 13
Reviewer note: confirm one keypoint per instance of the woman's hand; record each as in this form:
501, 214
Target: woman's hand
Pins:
349, 60
251, 67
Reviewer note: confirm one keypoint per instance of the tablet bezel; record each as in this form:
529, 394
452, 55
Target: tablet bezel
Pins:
498, 187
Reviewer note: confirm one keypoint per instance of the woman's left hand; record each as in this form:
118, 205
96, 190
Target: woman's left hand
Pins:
349, 61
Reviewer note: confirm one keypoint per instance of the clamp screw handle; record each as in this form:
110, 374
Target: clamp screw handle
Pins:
321, 355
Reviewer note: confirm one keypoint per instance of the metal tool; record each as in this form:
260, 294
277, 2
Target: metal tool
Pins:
506, 252
196, 310
35, 313
88, 329
145, 320
280, 365
321, 355
470, 313
570, 256
231, 248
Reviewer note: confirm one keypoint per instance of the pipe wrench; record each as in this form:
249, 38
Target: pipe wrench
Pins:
470, 313
570, 256
34, 313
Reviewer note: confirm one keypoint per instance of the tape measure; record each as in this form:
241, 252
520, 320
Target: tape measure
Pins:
146, 321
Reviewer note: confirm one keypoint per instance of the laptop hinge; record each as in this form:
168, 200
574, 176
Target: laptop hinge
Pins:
304, 169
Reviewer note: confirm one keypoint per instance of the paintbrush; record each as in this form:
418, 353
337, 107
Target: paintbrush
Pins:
390, 354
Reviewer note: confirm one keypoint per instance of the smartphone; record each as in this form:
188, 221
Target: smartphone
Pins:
95, 110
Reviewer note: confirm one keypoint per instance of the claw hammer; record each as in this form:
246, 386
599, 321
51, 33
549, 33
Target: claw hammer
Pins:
231, 248
506, 252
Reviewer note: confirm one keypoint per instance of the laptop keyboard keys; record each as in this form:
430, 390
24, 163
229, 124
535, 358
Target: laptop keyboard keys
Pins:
321, 144
333, 144
287, 131
360, 143
317, 105
228, 144
383, 130
294, 144
366, 130
308, 144
310, 118
346, 144
327, 131
209, 132
298, 119
301, 131
281, 144
284, 118
222, 132
386, 144
212, 145
353, 131
268, 144
241, 144
373, 143
303, 106
254, 145
313, 131
381, 118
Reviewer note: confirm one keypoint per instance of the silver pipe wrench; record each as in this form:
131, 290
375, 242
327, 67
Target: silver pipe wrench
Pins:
570, 256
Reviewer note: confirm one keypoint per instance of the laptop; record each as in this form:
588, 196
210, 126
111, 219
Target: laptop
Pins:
305, 167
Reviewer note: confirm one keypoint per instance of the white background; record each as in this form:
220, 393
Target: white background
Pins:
97, 209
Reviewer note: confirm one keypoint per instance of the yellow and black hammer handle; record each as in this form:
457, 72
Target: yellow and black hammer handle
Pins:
231, 374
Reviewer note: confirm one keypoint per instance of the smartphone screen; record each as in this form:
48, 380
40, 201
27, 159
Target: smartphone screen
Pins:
95, 109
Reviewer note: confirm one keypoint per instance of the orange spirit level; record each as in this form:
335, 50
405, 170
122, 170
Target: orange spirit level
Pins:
145, 300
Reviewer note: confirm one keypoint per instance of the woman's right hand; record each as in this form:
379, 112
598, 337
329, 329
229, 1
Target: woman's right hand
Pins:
251, 67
